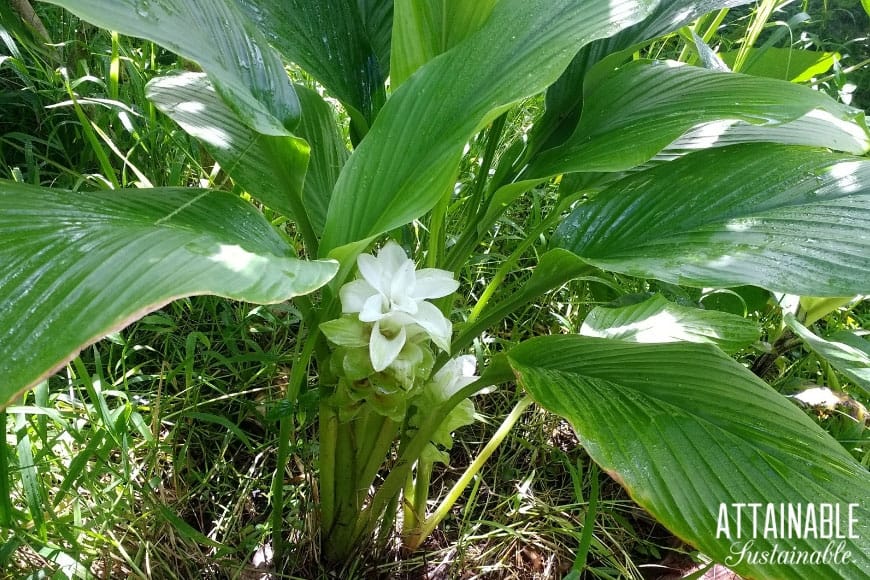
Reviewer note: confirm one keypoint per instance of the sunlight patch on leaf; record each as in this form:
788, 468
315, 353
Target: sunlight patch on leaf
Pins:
237, 259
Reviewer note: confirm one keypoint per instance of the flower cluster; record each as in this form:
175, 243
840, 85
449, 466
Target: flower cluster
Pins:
383, 336
392, 295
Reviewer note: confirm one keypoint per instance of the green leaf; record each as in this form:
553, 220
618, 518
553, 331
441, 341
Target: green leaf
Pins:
423, 30
410, 157
78, 266
787, 219
565, 97
377, 18
330, 40
844, 352
328, 154
247, 73
638, 110
270, 167
274, 169
657, 320
684, 429
788, 64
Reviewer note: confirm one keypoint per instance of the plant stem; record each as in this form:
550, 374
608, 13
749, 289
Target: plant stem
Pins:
384, 432
409, 455
418, 536
421, 496
28, 14
5, 475
508, 266
328, 427
339, 537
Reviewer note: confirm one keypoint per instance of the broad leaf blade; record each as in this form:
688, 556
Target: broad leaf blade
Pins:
657, 320
787, 219
565, 97
423, 30
635, 112
685, 428
845, 353
330, 40
409, 158
289, 174
270, 167
817, 128
214, 33
77, 266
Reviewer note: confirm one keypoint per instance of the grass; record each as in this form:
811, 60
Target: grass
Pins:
151, 455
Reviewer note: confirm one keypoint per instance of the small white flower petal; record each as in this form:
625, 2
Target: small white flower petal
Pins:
405, 304
434, 283
402, 282
394, 319
392, 257
454, 375
467, 366
373, 309
436, 325
372, 271
383, 350
354, 295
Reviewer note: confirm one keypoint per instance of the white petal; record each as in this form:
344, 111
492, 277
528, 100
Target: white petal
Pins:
354, 295
467, 364
434, 283
402, 283
405, 304
436, 325
384, 350
454, 375
395, 319
392, 257
372, 271
373, 309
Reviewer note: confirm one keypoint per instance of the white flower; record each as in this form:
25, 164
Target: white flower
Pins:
392, 295
453, 376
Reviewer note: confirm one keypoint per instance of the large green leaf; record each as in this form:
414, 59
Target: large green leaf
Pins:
817, 128
657, 320
685, 429
330, 40
423, 30
636, 111
275, 169
329, 153
848, 353
787, 219
410, 156
565, 97
662, 110
270, 167
214, 33
77, 266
